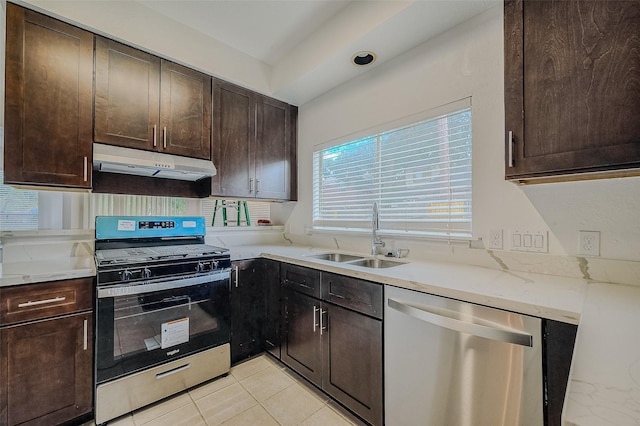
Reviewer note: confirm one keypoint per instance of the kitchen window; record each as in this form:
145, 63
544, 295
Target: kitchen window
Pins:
18, 208
419, 172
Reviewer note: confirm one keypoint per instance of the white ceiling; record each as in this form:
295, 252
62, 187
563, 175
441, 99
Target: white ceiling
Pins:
307, 45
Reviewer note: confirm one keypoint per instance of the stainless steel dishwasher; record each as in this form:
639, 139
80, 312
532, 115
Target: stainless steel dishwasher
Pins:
454, 363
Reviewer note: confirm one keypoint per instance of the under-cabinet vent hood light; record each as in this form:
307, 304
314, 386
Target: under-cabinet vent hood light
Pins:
115, 159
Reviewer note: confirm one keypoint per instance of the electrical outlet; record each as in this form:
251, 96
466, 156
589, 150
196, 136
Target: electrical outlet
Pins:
589, 243
495, 239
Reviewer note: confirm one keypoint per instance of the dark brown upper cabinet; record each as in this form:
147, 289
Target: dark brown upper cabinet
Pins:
48, 101
149, 103
254, 144
572, 97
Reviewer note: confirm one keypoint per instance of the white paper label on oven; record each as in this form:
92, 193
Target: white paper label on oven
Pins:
126, 225
189, 224
175, 332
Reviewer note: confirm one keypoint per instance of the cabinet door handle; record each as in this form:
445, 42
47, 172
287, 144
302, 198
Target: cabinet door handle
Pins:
164, 137
41, 302
236, 278
250, 185
315, 324
155, 140
322, 327
85, 338
510, 148
86, 168
257, 185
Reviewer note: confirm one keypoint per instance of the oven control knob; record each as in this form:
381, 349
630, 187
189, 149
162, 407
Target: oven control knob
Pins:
146, 273
200, 267
126, 275
214, 265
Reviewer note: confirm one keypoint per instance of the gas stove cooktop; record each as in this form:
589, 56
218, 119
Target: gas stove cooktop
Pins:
136, 255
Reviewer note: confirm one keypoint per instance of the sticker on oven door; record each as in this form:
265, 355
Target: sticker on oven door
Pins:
126, 225
175, 332
189, 224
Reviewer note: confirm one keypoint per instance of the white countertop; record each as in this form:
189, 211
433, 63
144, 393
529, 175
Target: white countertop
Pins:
545, 296
29, 272
604, 386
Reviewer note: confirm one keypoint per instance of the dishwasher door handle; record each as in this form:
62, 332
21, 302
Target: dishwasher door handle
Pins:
424, 314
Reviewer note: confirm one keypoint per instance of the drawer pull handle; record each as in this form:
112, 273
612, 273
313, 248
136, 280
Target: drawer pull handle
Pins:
41, 302
172, 371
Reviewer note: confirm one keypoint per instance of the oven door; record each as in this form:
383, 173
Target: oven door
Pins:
142, 325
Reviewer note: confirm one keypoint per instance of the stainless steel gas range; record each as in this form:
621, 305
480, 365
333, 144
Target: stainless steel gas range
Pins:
162, 317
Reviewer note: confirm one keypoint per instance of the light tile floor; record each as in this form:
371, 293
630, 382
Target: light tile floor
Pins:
261, 391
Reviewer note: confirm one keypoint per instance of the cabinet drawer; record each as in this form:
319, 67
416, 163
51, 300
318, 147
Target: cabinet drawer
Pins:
35, 301
359, 295
299, 278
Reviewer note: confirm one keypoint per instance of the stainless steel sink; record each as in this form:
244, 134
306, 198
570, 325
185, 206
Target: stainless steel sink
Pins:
337, 257
376, 263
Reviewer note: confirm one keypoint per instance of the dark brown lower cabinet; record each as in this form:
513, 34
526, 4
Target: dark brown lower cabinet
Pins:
557, 350
248, 286
338, 350
301, 348
352, 361
272, 324
46, 373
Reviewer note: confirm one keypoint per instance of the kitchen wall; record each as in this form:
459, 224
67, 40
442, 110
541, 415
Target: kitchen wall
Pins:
468, 61
465, 61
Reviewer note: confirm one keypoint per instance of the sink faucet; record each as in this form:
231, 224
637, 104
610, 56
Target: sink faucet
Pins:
376, 241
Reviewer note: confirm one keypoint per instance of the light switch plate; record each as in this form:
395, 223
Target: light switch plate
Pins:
531, 241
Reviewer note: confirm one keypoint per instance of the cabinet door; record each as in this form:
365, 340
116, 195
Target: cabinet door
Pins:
46, 371
247, 308
352, 346
558, 339
571, 95
275, 150
49, 91
127, 100
301, 345
271, 330
185, 111
233, 137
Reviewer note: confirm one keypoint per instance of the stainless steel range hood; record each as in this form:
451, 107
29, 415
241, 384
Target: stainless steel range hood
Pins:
115, 159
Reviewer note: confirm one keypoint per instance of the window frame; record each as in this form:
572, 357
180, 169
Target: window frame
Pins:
444, 229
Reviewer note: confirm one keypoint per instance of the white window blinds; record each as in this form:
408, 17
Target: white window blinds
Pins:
420, 175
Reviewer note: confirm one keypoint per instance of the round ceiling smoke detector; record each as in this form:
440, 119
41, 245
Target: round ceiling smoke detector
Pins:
363, 58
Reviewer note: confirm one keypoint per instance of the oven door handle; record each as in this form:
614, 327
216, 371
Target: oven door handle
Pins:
130, 289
